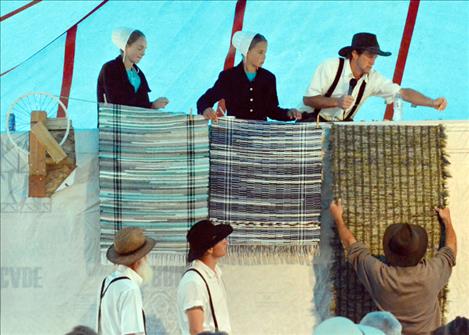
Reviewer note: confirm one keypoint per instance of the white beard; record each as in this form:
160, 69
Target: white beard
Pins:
146, 272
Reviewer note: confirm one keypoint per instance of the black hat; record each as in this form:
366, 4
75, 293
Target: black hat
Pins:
364, 41
204, 235
404, 244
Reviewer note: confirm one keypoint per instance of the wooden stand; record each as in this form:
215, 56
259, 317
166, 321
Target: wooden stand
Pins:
49, 164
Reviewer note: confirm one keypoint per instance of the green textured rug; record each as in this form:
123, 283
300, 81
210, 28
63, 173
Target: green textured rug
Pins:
384, 174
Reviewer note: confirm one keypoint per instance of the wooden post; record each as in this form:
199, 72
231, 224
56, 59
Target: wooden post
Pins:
37, 159
49, 163
52, 147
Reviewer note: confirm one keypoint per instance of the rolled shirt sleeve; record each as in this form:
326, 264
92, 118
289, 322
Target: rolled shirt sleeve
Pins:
192, 294
384, 87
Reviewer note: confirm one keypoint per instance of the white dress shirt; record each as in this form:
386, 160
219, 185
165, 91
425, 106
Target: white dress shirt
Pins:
121, 306
376, 85
192, 292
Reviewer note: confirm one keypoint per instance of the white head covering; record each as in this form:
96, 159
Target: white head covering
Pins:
120, 36
242, 40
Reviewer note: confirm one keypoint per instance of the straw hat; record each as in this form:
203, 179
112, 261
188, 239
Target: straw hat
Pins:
130, 244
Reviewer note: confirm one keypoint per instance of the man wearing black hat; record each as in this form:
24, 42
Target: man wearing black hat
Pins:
201, 297
406, 285
120, 307
339, 87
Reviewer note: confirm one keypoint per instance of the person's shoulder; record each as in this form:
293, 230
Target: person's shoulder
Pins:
189, 281
191, 275
447, 253
122, 283
265, 73
130, 287
358, 250
112, 64
234, 71
328, 67
229, 73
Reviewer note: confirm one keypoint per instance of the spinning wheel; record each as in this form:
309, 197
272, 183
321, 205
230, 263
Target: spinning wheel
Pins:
18, 118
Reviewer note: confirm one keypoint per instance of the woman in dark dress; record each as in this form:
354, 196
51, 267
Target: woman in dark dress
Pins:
250, 92
121, 81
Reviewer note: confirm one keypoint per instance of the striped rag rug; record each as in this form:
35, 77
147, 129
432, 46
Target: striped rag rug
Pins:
384, 174
153, 174
265, 180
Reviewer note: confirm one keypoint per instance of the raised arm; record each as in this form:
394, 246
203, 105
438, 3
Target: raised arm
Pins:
419, 99
445, 217
345, 234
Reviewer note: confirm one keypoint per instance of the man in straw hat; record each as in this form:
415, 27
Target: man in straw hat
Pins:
406, 285
201, 297
340, 86
120, 308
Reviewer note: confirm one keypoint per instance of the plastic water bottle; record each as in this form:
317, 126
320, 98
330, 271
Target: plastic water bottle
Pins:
398, 112
11, 122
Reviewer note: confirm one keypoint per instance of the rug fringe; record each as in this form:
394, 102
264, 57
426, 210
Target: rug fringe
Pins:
241, 255
270, 255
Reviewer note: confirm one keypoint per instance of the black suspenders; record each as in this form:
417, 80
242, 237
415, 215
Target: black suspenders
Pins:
334, 83
312, 117
350, 115
209, 296
103, 292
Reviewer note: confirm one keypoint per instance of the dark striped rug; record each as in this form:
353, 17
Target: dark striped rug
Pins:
265, 180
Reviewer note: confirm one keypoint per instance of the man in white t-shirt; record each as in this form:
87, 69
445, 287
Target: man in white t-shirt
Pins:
201, 296
120, 307
339, 87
